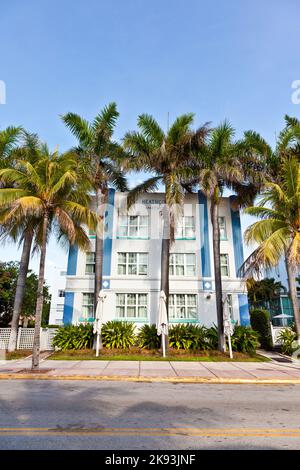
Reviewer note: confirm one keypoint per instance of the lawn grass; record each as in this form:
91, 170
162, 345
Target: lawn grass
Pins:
136, 354
18, 354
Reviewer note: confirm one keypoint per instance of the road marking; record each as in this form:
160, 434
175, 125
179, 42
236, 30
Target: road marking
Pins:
186, 432
146, 379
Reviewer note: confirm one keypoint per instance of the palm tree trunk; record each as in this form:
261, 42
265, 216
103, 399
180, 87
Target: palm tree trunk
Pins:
40, 297
293, 294
217, 268
164, 281
165, 262
20, 290
100, 202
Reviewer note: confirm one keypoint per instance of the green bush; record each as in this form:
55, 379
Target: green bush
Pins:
244, 340
212, 337
199, 337
74, 337
118, 334
179, 337
288, 338
260, 322
147, 337
186, 336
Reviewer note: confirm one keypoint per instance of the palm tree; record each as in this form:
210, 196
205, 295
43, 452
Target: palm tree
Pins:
167, 157
102, 158
287, 144
278, 232
55, 194
263, 292
28, 150
217, 165
9, 139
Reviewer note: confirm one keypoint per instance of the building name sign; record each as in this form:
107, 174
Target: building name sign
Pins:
152, 201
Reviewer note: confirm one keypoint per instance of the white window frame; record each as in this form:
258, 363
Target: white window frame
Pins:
224, 265
182, 227
129, 226
136, 306
138, 264
88, 305
222, 226
173, 265
175, 304
90, 263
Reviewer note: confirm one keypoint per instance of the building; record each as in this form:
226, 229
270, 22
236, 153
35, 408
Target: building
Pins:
283, 304
57, 297
131, 270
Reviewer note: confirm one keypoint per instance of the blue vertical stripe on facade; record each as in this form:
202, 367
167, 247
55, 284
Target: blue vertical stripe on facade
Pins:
107, 245
68, 308
244, 309
72, 260
237, 236
69, 296
205, 252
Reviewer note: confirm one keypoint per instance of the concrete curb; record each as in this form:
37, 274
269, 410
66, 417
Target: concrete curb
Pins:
116, 378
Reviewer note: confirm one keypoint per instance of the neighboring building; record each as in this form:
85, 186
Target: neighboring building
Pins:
57, 298
282, 305
131, 269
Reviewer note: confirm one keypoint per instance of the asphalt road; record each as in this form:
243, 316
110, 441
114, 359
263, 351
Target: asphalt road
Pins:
121, 415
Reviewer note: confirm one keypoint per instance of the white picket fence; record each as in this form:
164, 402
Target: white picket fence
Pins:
25, 338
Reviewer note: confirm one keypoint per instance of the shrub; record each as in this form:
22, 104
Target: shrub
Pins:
244, 339
118, 334
212, 337
188, 336
179, 337
260, 322
199, 337
147, 337
288, 338
74, 337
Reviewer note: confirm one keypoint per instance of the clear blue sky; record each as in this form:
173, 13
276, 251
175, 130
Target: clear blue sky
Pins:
232, 59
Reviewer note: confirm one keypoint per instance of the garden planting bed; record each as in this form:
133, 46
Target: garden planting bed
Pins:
138, 354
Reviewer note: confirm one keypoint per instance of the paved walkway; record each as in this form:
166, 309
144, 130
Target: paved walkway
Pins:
153, 370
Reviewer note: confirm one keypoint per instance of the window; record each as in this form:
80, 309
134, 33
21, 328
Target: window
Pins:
133, 226
182, 264
90, 262
183, 306
222, 226
224, 265
185, 227
61, 293
286, 306
87, 305
132, 306
133, 264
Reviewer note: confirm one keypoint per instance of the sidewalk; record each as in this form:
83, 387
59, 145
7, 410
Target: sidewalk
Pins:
214, 372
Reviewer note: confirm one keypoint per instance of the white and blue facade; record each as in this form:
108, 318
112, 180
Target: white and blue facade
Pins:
131, 265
